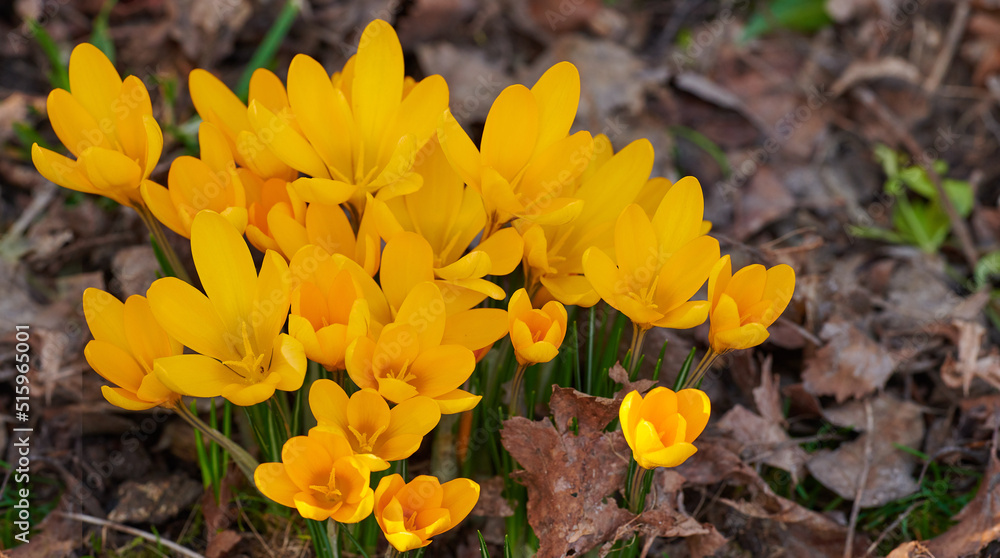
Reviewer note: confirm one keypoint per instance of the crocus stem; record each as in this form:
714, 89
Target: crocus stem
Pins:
156, 231
244, 460
332, 531
391, 552
694, 379
637, 496
515, 389
638, 336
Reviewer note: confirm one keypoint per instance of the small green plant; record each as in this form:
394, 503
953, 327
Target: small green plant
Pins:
918, 216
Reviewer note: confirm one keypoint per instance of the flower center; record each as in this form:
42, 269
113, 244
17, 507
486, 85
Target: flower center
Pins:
402, 374
365, 443
251, 366
329, 491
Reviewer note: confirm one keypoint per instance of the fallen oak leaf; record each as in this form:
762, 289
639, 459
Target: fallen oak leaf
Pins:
572, 470
850, 365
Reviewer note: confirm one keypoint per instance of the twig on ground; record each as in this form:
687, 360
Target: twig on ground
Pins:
946, 54
130, 531
870, 100
892, 527
856, 507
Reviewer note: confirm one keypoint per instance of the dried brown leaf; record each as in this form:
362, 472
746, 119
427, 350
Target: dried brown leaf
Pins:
154, 501
766, 441
620, 375
890, 471
850, 365
571, 477
970, 364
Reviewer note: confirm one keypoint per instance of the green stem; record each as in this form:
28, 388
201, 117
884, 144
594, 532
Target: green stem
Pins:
695, 378
637, 491
160, 237
638, 336
391, 552
244, 460
332, 529
515, 389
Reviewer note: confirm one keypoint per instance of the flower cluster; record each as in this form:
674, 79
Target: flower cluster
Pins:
384, 228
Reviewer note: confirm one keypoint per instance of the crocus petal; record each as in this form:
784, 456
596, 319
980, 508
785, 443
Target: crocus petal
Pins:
460, 150
685, 272
669, 457
505, 249
696, 408
459, 497
158, 200
225, 267
441, 369
94, 80
271, 298
678, 218
105, 317
114, 365
779, 289
272, 480
457, 401
189, 317
367, 412
293, 149
747, 285
321, 111
514, 114
125, 399
636, 247
196, 375
743, 337
406, 261
718, 279
146, 339
324, 190
687, 315
424, 309
475, 328
378, 83
328, 402
558, 95
628, 415
61, 170
358, 360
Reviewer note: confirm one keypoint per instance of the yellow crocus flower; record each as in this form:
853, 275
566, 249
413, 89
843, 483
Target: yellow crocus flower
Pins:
107, 124
334, 302
377, 434
218, 105
449, 217
661, 427
536, 334
127, 340
236, 328
319, 476
408, 358
194, 184
660, 263
526, 159
744, 304
410, 513
272, 205
408, 260
361, 134
553, 254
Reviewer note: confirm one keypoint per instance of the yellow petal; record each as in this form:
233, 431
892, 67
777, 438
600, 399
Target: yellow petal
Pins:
459, 497
779, 290
678, 218
673, 456
94, 81
125, 399
105, 316
110, 171
685, 272
511, 131
226, 269
154, 144
603, 275
424, 309
505, 249
475, 328
130, 107
637, 247
322, 112
460, 150
76, 128
725, 316
718, 279
472, 265
571, 289
61, 170
418, 114
696, 408
157, 199
114, 365
195, 375
457, 401
628, 416
270, 298
308, 461
551, 172
687, 315
189, 317
378, 83
216, 103
558, 95
367, 412
738, 338
441, 369
328, 402
281, 138
412, 418
747, 285
273, 482
323, 190
146, 339
406, 261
